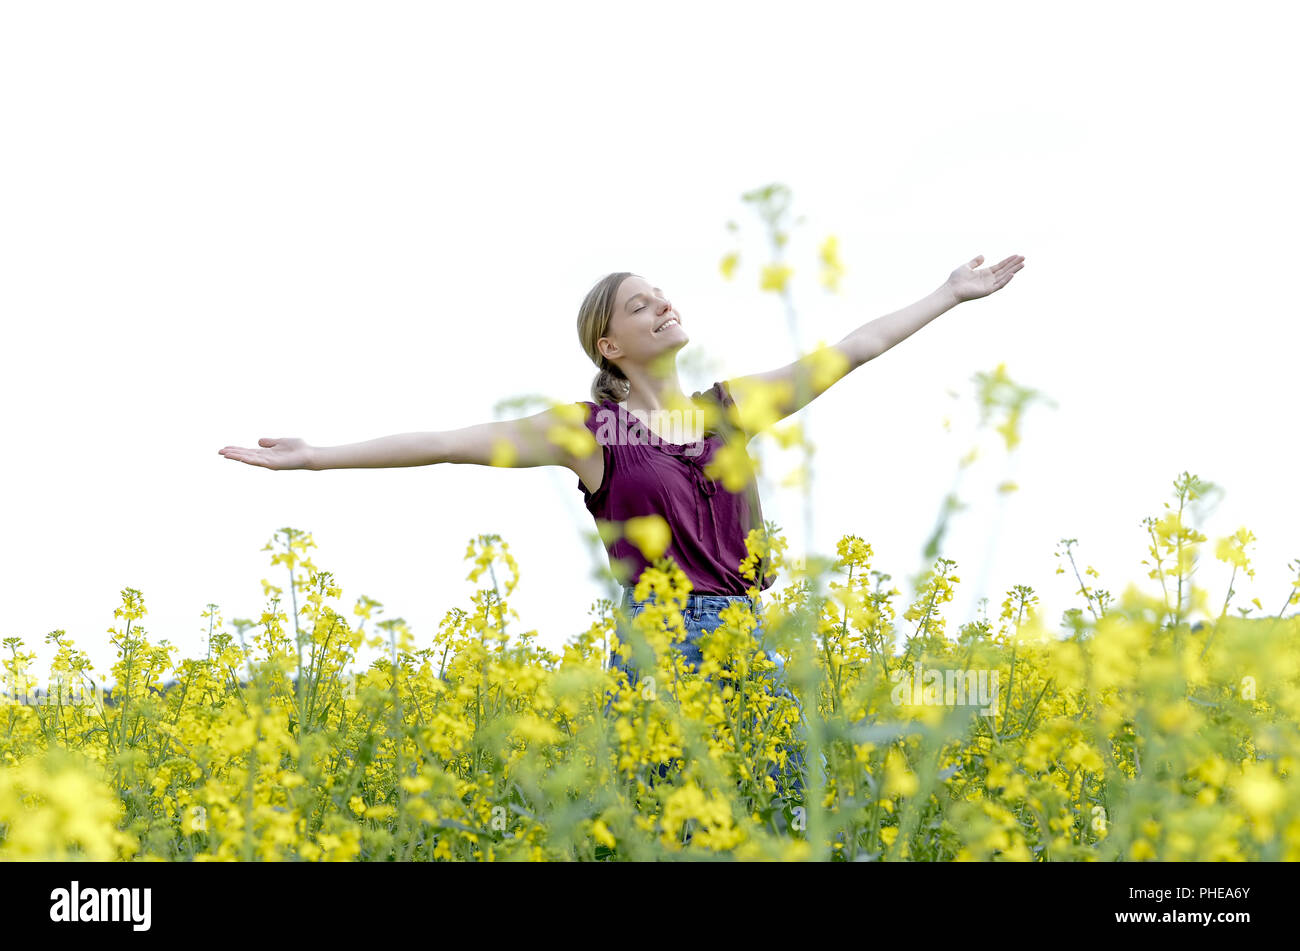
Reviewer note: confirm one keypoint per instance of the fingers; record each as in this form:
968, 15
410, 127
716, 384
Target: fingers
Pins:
1003, 271
1005, 277
240, 454
975, 261
253, 457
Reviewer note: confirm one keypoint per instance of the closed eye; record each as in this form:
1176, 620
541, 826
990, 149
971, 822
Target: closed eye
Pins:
638, 310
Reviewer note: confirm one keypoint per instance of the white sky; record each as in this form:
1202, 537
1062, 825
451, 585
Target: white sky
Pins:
342, 221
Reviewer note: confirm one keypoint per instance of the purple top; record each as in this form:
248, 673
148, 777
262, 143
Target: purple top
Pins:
645, 475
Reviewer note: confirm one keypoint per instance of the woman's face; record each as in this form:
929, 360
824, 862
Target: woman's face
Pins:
645, 325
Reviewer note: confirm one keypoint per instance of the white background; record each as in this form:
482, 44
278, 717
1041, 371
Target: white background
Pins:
338, 221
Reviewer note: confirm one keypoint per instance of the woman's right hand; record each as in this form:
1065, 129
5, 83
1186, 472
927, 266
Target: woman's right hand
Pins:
286, 453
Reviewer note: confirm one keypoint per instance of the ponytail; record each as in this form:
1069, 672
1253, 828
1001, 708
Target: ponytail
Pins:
610, 385
593, 322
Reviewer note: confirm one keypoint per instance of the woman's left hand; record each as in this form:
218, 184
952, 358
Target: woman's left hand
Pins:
966, 283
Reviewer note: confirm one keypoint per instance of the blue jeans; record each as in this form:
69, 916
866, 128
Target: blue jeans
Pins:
701, 616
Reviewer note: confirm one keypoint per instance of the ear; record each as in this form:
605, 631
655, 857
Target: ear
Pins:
608, 348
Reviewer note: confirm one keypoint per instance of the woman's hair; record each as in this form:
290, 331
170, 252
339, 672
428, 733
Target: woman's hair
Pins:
593, 323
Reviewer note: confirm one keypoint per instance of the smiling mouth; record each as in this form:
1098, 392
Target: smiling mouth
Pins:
670, 322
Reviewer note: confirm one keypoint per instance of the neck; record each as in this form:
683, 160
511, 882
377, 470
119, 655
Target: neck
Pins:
655, 391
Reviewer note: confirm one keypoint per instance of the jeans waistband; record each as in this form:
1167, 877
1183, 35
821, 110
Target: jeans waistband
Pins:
695, 603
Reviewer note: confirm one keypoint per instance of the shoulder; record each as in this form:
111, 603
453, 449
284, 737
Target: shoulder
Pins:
582, 410
719, 406
719, 393
599, 417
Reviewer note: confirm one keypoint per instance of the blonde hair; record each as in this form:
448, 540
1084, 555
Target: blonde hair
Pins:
593, 323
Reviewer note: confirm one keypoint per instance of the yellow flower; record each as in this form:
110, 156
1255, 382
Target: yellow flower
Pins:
1232, 548
827, 365
650, 534
760, 404
728, 265
787, 436
416, 784
774, 277
796, 478
1081, 754
421, 810
57, 808
1141, 850
731, 465
577, 440
534, 729
1259, 791
504, 453
899, 780
832, 267
601, 833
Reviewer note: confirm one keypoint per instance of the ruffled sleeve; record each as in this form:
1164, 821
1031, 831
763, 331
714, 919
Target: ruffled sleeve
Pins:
598, 425
719, 396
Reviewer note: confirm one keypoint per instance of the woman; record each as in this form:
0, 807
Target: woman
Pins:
659, 450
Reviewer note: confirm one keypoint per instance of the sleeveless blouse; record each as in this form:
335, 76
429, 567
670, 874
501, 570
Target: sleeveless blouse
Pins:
645, 475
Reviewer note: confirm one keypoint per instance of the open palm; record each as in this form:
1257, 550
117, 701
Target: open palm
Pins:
286, 453
966, 283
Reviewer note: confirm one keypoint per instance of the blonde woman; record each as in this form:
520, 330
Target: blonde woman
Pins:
655, 444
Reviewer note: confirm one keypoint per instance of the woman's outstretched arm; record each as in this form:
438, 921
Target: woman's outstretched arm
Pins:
554, 437
764, 398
